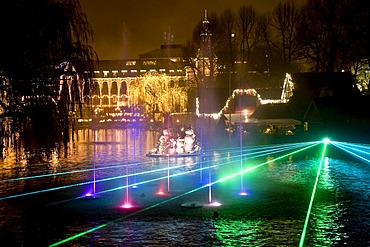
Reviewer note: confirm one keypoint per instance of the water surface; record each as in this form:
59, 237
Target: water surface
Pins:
272, 213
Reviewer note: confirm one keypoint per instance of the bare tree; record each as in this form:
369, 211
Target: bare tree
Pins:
250, 31
285, 19
332, 32
228, 29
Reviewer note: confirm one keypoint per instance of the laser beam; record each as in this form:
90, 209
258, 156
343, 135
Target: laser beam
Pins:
176, 197
303, 235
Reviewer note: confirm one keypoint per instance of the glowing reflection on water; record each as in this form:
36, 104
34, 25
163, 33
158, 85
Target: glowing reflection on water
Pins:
271, 214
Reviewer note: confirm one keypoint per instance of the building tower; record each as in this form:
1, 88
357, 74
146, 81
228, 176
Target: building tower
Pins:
206, 67
206, 57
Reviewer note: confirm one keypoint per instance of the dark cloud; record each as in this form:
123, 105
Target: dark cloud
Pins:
127, 28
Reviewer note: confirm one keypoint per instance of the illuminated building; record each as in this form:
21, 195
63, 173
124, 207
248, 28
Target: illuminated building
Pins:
113, 79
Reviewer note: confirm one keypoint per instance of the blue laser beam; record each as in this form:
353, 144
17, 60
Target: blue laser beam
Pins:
176, 197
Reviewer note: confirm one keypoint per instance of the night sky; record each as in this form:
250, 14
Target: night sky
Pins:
123, 29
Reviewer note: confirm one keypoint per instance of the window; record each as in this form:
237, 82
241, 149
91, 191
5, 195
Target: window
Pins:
131, 63
149, 62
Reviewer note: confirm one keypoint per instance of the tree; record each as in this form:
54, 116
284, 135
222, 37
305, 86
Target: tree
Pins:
250, 31
228, 27
285, 19
156, 92
250, 34
40, 42
335, 33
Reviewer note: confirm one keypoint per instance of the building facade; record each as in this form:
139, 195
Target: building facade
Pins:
113, 79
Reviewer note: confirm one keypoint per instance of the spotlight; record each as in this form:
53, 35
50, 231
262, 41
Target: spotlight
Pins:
215, 204
126, 205
90, 196
326, 140
160, 193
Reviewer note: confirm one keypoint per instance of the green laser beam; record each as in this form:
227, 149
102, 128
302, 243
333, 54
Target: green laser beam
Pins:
262, 164
176, 197
173, 175
304, 231
122, 176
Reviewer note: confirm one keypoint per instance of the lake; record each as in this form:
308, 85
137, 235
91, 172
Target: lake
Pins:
44, 204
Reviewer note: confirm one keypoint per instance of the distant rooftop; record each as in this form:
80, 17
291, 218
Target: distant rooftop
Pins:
166, 51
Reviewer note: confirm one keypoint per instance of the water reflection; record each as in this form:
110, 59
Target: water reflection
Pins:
271, 215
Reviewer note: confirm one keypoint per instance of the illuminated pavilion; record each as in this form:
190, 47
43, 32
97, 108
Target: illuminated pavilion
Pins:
113, 78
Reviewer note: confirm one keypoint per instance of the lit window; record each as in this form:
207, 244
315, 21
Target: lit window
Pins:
124, 71
105, 72
162, 70
149, 62
130, 63
133, 71
142, 70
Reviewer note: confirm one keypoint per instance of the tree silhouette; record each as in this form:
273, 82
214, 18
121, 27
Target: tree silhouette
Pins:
335, 33
285, 20
45, 66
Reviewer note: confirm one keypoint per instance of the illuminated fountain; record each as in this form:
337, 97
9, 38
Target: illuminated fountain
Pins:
174, 145
92, 194
214, 166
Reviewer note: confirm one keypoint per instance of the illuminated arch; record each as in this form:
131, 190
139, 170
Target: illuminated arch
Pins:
123, 88
105, 89
236, 92
96, 88
114, 89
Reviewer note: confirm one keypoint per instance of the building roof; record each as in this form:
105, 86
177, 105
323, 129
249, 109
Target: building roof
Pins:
271, 111
313, 85
269, 93
339, 109
137, 67
168, 59
166, 51
273, 114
